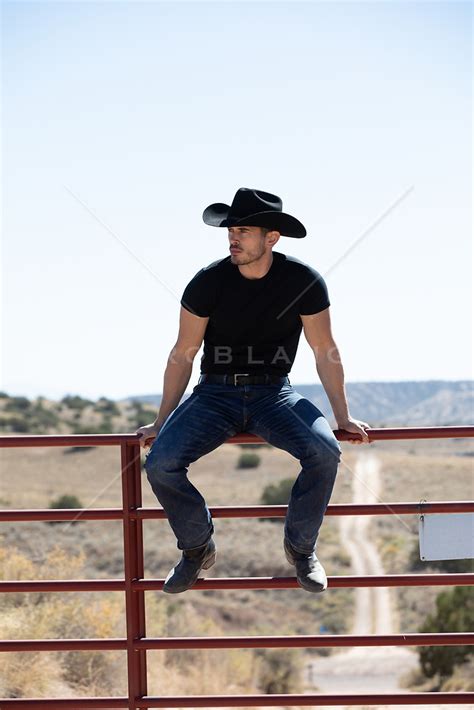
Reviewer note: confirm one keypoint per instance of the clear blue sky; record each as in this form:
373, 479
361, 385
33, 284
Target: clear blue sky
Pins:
123, 120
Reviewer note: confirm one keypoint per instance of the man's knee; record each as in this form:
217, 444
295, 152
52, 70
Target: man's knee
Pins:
159, 463
334, 447
325, 447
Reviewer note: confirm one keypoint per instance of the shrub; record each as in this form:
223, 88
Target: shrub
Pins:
76, 402
454, 613
279, 671
17, 424
248, 461
65, 501
279, 493
17, 404
107, 406
43, 419
78, 449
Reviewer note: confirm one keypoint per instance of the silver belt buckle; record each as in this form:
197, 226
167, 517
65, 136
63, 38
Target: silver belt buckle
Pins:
240, 374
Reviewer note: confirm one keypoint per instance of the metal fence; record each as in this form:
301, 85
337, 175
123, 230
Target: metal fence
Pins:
136, 643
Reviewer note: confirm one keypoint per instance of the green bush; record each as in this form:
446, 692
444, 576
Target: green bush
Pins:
107, 406
76, 402
279, 493
248, 461
454, 613
67, 500
17, 404
15, 424
43, 419
78, 449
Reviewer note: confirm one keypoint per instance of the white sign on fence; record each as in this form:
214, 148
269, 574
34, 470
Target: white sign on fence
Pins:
446, 537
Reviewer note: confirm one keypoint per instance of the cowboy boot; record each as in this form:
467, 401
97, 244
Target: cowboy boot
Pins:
310, 573
186, 572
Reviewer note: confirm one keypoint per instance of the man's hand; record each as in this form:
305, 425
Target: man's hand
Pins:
148, 434
357, 427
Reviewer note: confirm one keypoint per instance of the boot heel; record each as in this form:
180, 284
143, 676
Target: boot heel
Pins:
210, 561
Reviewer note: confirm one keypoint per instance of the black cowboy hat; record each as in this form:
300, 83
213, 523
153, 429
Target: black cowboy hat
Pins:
254, 208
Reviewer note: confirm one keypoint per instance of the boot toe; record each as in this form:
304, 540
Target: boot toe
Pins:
186, 573
310, 573
312, 577
178, 581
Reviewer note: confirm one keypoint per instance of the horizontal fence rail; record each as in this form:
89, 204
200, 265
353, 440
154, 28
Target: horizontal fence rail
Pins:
134, 586
156, 585
229, 701
227, 642
242, 511
388, 580
384, 434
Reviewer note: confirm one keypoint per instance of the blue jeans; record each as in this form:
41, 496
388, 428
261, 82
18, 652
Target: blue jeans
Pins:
213, 413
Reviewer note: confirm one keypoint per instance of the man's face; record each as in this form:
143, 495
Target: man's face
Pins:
247, 244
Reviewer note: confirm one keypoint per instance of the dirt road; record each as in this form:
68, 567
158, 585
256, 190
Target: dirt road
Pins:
362, 670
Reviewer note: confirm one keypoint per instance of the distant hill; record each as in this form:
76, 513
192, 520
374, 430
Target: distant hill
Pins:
381, 404
417, 403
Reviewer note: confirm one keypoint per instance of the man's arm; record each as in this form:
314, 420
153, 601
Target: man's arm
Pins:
317, 330
180, 362
178, 371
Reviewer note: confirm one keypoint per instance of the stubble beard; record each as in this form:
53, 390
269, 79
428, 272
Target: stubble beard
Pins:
247, 258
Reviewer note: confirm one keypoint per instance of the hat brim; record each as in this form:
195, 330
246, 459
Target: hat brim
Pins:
216, 215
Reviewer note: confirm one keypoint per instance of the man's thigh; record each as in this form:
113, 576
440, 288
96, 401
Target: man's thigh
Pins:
197, 426
291, 422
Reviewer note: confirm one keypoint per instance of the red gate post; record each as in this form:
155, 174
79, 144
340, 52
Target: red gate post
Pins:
134, 570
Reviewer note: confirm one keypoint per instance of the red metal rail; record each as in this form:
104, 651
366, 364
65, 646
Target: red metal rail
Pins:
229, 701
416, 432
218, 642
242, 511
156, 585
134, 586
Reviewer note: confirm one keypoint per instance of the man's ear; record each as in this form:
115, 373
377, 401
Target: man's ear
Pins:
273, 237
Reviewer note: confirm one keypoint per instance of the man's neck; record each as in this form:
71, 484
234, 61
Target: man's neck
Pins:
257, 270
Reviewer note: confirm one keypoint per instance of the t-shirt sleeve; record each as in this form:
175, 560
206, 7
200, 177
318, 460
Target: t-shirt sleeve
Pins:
314, 293
198, 296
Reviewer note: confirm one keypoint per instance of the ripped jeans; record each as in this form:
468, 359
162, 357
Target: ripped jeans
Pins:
213, 413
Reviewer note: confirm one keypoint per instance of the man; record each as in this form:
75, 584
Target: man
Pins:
249, 308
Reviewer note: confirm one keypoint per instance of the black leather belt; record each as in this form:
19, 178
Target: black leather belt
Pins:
244, 378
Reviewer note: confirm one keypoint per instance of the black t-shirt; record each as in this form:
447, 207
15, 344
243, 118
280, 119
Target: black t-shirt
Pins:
254, 324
